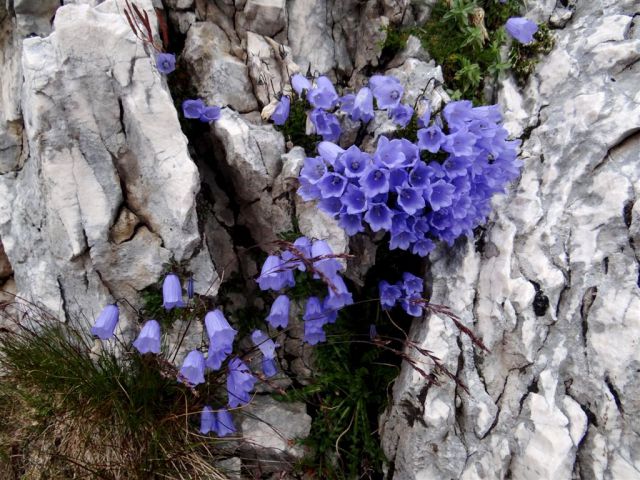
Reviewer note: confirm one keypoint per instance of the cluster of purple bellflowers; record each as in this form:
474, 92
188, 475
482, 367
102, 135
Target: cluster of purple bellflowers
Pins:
318, 260
408, 293
437, 188
326, 104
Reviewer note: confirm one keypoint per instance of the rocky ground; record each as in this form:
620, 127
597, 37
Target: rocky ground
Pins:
99, 187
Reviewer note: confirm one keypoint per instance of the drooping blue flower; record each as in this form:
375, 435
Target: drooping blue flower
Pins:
387, 90
190, 288
216, 355
171, 292
240, 382
224, 423
275, 275
193, 108
354, 199
210, 114
332, 205
402, 239
313, 310
208, 421
165, 62
323, 95
220, 333
332, 185
521, 29
439, 194
351, 223
375, 181
425, 117
362, 106
410, 305
279, 314
388, 154
430, 138
355, 162
412, 284
339, 295
410, 200
300, 83
389, 294
346, 103
149, 338
192, 370
398, 179
401, 114
378, 217
314, 332
330, 152
423, 247
313, 169
325, 124
106, 322
419, 176
264, 343
281, 112
307, 191
458, 113
324, 261
269, 367
459, 143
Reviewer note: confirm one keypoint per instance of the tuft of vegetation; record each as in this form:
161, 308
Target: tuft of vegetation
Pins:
70, 411
524, 58
294, 129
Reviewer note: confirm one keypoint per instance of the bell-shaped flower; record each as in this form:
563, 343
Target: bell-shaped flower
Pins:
220, 333
275, 275
281, 112
165, 62
171, 292
419, 176
389, 294
324, 94
410, 200
411, 306
210, 114
325, 124
208, 421
375, 181
332, 185
378, 217
355, 162
351, 223
330, 152
269, 367
240, 382
459, 143
412, 284
190, 288
354, 199
402, 240
388, 154
308, 191
324, 261
314, 169
362, 106
458, 113
423, 247
314, 332
192, 370
387, 90
401, 114
521, 29
264, 343
332, 205
106, 322
300, 83
279, 314
439, 194
339, 295
430, 138
301, 249
193, 108
216, 355
224, 423
149, 338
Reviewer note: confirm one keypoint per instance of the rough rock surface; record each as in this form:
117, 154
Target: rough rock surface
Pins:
102, 192
554, 291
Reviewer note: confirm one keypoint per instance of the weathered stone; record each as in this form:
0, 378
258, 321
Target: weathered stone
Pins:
270, 65
34, 16
220, 77
5, 266
551, 400
310, 35
264, 17
124, 227
270, 429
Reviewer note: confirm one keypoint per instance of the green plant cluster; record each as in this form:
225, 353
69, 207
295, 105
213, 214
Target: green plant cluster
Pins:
469, 50
524, 58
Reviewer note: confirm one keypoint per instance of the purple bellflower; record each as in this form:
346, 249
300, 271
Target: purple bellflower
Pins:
362, 106
339, 295
389, 294
430, 138
324, 94
279, 314
264, 343
351, 223
106, 322
387, 90
165, 62
192, 368
269, 368
208, 421
521, 29
240, 382
193, 108
401, 114
325, 124
300, 83
149, 338
224, 423
190, 288
171, 292
281, 112
210, 114
323, 259
275, 275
